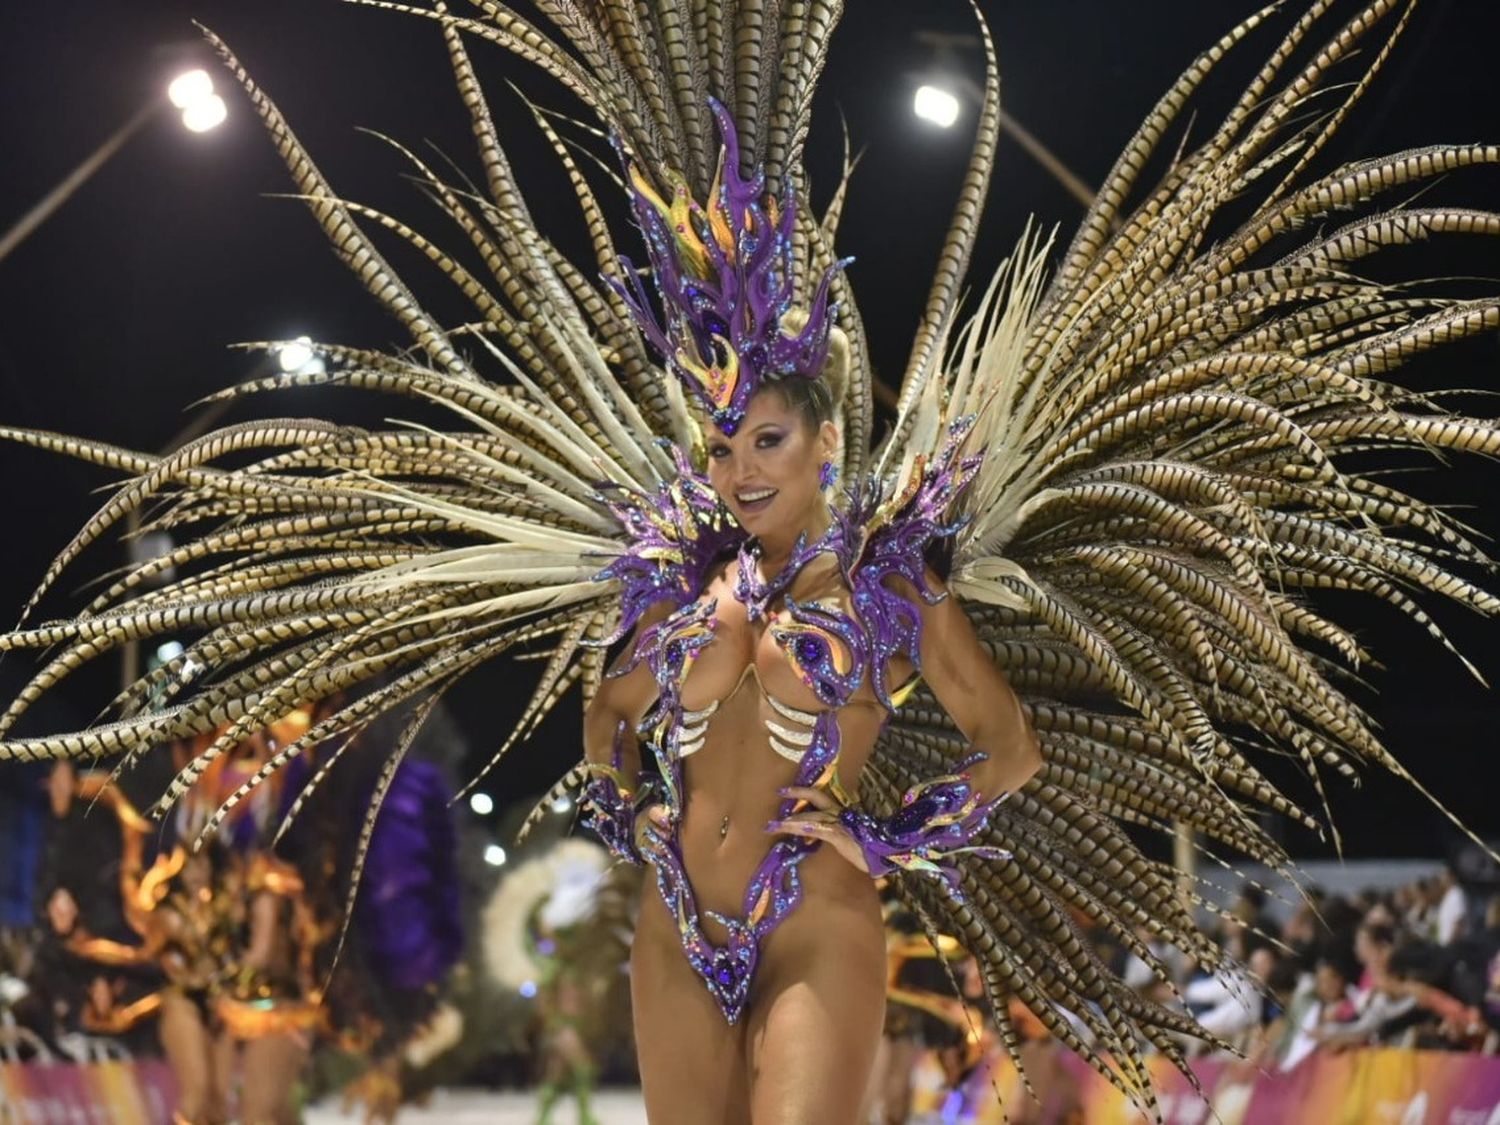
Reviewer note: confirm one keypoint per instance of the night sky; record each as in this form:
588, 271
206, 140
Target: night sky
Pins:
119, 312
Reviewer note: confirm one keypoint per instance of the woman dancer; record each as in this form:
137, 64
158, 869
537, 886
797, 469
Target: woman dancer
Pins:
270, 1009
191, 933
744, 716
232, 932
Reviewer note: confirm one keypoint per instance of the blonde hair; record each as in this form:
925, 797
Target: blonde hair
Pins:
819, 399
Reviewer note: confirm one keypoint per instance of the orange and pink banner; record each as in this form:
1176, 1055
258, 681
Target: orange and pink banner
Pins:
140, 1092
1369, 1087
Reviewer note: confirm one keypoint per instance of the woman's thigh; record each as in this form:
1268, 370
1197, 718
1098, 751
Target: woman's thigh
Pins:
815, 1020
271, 1066
692, 1061
186, 1043
895, 1082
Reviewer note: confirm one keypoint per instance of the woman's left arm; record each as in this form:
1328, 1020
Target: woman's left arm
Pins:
986, 711
265, 925
975, 694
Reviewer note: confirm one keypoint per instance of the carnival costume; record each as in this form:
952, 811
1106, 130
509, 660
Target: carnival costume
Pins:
557, 931
1130, 464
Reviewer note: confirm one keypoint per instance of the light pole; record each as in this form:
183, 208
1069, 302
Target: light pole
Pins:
201, 110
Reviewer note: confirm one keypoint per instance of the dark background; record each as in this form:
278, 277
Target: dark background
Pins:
118, 313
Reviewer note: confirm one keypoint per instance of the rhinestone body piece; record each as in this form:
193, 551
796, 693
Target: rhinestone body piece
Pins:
609, 805
935, 822
831, 651
671, 538
773, 892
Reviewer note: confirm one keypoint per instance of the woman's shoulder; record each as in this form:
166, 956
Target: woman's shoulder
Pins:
822, 578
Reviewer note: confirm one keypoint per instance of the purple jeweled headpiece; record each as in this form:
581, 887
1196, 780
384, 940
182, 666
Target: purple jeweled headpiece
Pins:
724, 274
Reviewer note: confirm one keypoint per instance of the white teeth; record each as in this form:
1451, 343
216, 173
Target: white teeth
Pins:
752, 497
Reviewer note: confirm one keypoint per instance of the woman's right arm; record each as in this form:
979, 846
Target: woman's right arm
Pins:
610, 741
610, 719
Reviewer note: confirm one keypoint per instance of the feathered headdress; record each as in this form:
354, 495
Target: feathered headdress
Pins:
724, 272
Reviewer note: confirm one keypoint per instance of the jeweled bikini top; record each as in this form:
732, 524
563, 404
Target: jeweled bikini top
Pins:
678, 534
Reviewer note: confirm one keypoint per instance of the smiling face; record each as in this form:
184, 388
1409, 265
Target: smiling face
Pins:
767, 474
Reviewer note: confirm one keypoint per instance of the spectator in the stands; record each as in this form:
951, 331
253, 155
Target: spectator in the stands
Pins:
1256, 927
1334, 981
58, 984
1312, 1010
1452, 909
1438, 1019
1418, 902
1489, 1006
1376, 1001
1303, 928
1232, 1007
1142, 977
1381, 911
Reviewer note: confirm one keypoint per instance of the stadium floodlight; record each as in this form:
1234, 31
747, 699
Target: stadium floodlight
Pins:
936, 105
190, 87
209, 113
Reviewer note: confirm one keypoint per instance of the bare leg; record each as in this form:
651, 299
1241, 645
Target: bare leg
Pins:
815, 1024
579, 1070
221, 1056
188, 1045
874, 1099
902, 1058
1040, 1058
272, 1065
568, 1066
691, 1060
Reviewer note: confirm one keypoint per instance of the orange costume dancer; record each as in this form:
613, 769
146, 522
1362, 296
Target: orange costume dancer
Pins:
272, 1006
233, 932
186, 911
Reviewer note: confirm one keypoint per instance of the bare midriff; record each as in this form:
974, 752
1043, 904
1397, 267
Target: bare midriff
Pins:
732, 788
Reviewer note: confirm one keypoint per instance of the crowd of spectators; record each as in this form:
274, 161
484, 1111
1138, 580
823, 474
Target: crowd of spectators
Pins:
53, 1004
1416, 966
54, 1001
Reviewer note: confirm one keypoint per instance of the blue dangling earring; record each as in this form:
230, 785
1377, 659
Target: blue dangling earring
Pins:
827, 475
